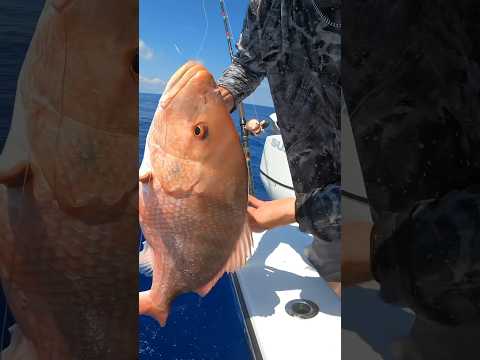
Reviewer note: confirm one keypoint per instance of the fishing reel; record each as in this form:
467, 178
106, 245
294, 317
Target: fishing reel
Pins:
263, 125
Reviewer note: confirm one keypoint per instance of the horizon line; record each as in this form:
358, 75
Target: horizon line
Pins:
154, 93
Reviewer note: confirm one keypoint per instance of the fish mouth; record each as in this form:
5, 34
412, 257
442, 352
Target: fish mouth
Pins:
180, 79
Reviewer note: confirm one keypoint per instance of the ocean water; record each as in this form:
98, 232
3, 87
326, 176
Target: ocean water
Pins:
209, 328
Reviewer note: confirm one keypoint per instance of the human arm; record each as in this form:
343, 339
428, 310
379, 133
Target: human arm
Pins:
247, 69
317, 212
430, 260
265, 215
356, 252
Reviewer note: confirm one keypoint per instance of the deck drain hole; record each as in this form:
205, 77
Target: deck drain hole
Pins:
304, 309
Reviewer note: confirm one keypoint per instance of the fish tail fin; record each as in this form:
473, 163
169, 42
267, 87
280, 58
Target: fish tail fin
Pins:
238, 258
146, 259
148, 307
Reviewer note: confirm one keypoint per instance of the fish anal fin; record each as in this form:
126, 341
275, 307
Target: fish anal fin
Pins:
147, 307
237, 259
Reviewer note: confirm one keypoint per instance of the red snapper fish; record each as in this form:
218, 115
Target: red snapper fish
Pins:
193, 193
68, 202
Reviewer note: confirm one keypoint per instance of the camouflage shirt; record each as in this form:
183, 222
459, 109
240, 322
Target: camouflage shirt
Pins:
412, 92
295, 44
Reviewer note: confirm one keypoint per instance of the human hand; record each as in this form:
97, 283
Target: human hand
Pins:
336, 287
227, 97
356, 252
263, 215
254, 126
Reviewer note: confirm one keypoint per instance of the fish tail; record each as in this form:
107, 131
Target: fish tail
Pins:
145, 260
148, 307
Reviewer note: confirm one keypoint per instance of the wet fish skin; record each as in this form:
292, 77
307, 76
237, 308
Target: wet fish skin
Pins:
68, 187
193, 192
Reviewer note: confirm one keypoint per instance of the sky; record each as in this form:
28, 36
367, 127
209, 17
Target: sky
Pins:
175, 31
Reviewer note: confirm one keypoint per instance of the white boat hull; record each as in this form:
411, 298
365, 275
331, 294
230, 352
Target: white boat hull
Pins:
277, 180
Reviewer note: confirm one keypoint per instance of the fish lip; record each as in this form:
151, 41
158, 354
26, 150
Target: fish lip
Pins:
185, 75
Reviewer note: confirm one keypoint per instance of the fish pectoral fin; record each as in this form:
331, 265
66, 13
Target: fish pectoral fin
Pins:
145, 174
15, 164
237, 259
148, 307
145, 177
14, 175
59, 5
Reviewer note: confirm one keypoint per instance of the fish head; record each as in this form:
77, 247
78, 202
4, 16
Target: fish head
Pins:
192, 135
192, 119
76, 100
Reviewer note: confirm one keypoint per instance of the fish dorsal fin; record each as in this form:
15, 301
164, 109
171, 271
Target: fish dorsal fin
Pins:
243, 250
241, 253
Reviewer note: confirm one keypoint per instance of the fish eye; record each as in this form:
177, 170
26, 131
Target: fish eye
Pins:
200, 131
134, 63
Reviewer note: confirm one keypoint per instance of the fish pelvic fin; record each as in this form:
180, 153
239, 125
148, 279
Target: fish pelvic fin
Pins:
146, 259
238, 258
145, 174
149, 308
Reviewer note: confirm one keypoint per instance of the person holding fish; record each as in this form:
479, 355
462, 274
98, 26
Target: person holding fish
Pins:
296, 46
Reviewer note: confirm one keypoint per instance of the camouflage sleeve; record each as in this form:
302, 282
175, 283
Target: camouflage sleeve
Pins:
319, 212
247, 69
431, 261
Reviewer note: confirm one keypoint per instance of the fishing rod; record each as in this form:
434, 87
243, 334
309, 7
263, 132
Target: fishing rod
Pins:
240, 107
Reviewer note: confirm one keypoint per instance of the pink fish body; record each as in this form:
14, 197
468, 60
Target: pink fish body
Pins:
193, 193
68, 186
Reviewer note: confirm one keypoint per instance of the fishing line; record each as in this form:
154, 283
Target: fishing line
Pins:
205, 33
231, 35
240, 107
